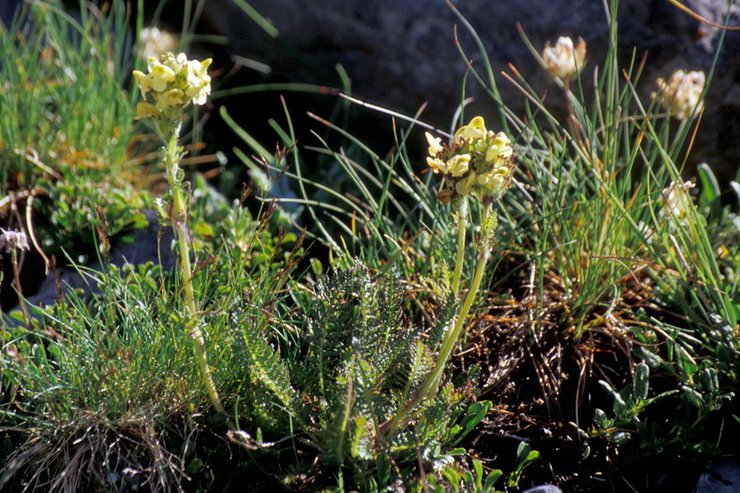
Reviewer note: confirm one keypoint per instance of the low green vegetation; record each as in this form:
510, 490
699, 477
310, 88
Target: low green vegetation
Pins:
415, 323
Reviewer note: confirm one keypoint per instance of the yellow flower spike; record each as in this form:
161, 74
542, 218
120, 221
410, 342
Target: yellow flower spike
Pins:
171, 84
458, 165
435, 144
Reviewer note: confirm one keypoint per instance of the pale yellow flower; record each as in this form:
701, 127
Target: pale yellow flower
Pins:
499, 148
199, 82
143, 81
170, 99
146, 110
437, 165
465, 186
435, 144
474, 130
160, 75
564, 60
681, 95
458, 165
492, 181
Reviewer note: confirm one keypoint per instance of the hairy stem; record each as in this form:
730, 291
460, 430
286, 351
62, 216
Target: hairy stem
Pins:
18, 288
462, 219
431, 382
179, 223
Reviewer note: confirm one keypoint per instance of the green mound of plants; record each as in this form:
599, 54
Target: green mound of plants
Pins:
389, 321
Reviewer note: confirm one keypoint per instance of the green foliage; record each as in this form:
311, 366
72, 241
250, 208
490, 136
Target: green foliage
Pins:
63, 104
456, 478
96, 372
525, 457
362, 365
628, 405
82, 212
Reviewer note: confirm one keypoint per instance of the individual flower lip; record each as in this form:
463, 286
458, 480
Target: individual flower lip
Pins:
435, 144
458, 165
172, 82
477, 161
564, 60
681, 95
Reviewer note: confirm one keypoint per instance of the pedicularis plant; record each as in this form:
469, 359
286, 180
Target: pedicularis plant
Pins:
170, 86
478, 163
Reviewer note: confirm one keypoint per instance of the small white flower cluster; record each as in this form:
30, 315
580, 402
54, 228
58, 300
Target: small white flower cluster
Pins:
13, 240
676, 201
682, 94
154, 42
564, 60
171, 84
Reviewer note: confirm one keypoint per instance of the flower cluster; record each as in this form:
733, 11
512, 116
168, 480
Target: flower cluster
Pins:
153, 42
676, 200
682, 94
13, 240
171, 84
478, 161
564, 60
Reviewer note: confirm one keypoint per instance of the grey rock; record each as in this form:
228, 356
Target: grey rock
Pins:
8, 11
152, 243
402, 53
721, 476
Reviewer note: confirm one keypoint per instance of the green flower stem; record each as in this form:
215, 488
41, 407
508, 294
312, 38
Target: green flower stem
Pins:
172, 154
431, 382
462, 219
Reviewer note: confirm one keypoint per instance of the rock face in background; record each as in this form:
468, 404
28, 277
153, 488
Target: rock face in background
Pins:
148, 244
401, 53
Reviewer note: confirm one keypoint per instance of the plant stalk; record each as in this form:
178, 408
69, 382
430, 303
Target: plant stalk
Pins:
431, 382
179, 222
462, 219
